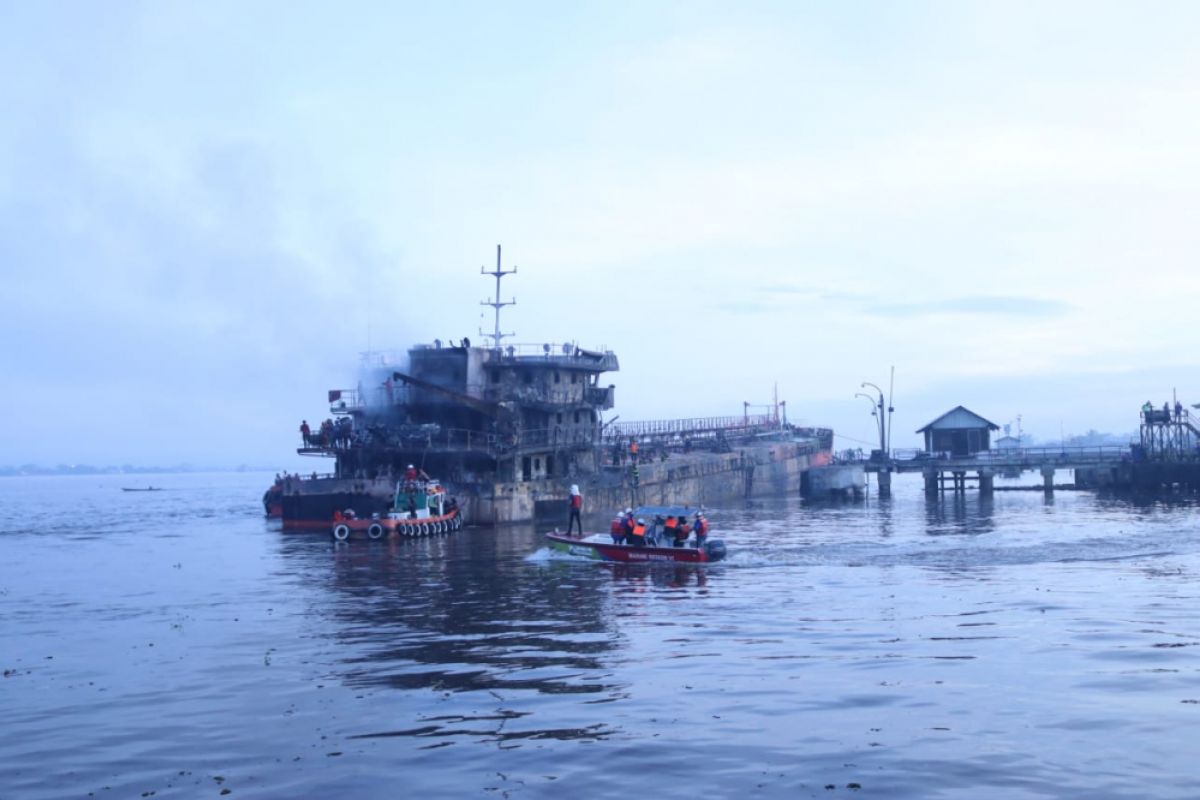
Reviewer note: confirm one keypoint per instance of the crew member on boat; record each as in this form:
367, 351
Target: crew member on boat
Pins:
637, 535
682, 529
700, 529
669, 526
575, 503
617, 529
412, 475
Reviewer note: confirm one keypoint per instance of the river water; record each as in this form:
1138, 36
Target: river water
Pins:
176, 644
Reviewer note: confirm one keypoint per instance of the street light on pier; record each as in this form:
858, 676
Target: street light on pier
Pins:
874, 413
885, 469
882, 422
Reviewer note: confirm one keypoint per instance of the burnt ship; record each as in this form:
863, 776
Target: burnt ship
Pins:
508, 428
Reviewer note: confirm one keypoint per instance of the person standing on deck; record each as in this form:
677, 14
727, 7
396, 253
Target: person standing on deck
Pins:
305, 431
633, 450
575, 503
701, 530
627, 528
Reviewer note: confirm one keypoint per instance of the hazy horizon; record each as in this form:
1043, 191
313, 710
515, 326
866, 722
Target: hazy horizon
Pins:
209, 211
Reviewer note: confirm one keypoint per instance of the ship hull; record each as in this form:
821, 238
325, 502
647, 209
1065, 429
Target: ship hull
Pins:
758, 469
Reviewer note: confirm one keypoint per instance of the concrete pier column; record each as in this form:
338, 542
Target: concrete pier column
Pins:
885, 483
987, 482
1048, 479
931, 482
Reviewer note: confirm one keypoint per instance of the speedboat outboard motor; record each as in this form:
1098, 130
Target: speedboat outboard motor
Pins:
715, 548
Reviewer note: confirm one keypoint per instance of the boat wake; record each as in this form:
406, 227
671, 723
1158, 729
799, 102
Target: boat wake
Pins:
546, 555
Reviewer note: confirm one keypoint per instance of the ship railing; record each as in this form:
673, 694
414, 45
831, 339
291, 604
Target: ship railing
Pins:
557, 437
344, 401
570, 353
466, 440
661, 427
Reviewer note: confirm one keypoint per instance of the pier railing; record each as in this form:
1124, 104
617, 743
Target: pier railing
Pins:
667, 427
1009, 458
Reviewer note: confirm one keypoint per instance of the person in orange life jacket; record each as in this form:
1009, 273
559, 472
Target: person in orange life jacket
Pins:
669, 526
638, 534
701, 529
633, 448
681, 532
575, 503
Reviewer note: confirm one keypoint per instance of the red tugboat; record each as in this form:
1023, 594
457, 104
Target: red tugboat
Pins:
418, 510
602, 547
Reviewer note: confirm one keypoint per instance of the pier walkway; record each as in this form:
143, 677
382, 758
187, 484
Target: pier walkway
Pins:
1167, 454
946, 471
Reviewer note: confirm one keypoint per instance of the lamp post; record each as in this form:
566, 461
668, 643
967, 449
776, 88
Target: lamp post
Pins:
885, 470
874, 413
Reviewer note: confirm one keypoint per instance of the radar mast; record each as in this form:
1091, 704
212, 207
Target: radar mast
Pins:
496, 302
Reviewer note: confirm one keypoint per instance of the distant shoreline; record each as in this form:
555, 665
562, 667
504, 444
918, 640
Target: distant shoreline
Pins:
32, 471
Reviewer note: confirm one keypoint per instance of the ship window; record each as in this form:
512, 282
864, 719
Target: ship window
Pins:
557, 378
576, 417
559, 419
537, 465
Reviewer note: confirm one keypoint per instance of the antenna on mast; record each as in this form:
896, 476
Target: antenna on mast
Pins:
496, 302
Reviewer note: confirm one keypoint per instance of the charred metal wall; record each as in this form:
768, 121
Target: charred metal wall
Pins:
759, 470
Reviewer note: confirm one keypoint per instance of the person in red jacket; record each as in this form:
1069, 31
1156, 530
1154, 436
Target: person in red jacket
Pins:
575, 503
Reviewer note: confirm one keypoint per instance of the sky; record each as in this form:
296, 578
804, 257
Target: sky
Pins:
209, 210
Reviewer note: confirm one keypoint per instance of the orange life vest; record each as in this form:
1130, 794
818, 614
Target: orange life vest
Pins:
639, 530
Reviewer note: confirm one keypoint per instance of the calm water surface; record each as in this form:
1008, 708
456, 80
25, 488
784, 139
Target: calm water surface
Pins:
175, 644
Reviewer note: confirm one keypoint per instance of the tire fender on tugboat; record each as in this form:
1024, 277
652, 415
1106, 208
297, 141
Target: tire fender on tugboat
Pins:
375, 531
341, 532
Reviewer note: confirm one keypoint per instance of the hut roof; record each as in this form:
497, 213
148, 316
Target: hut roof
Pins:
959, 418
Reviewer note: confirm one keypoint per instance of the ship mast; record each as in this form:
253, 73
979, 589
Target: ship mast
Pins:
496, 302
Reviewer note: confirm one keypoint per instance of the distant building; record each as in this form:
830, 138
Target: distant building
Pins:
1007, 443
959, 432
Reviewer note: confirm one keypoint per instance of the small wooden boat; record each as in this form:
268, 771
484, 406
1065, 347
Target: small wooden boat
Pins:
147, 489
418, 509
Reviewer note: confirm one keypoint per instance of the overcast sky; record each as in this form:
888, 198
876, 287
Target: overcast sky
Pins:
208, 210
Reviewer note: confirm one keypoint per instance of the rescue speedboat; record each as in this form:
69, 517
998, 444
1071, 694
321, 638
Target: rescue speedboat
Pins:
599, 546
657, 542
